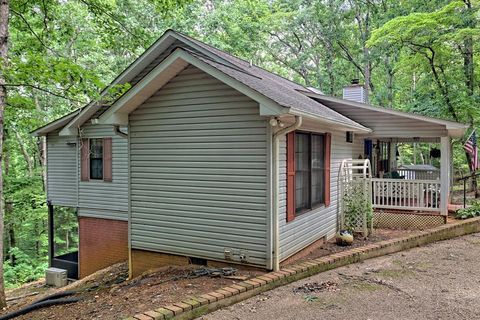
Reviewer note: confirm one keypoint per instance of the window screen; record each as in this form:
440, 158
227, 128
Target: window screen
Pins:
309, 170
96, 159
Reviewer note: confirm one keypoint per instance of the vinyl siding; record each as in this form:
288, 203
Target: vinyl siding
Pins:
355, 93
108, 200
316, 224
62, 170
198, 161
388, 125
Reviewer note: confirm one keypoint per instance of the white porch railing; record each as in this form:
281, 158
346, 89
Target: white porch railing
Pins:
419, 174
406, 194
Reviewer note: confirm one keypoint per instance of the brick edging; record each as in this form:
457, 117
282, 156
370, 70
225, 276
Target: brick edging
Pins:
193, 307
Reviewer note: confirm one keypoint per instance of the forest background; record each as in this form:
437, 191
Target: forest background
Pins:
418, 56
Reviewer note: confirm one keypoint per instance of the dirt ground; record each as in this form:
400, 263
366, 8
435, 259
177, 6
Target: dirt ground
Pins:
457, 196
331, 247
114, 297
437, 281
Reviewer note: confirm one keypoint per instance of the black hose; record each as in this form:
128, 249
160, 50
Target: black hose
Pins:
56, 296
37, 305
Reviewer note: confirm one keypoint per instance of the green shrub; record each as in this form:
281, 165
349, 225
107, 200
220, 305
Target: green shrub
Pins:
24, 270
470, 212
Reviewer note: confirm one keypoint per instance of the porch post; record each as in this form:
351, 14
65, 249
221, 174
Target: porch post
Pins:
51, 234
393, 156
445, 169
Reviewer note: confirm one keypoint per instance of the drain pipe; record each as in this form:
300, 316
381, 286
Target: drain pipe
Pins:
118, 132
276, 182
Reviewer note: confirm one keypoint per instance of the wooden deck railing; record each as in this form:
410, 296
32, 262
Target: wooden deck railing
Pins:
419, 174
406, 194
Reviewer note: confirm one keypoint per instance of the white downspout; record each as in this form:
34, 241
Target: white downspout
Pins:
276, 170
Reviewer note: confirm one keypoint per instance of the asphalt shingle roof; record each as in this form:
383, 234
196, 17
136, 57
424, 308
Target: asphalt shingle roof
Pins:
284, 92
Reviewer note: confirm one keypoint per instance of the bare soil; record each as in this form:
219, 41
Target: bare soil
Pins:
114, 297
457, 197
330, 247
110, 295
437, 281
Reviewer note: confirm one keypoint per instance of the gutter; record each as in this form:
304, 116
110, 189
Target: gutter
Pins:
118, 132
322, 119
276, 169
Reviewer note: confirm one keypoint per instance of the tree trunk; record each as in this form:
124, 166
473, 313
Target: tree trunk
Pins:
13, 243
42, 147
11, 233
24, 151
4, 11
390, 74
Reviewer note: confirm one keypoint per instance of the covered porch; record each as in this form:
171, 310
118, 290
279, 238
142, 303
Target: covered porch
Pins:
398, 185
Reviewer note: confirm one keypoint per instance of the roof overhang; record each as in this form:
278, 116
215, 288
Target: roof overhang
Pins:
320, 119
117, 114
178, 60
454, 129
55, 125
166, 40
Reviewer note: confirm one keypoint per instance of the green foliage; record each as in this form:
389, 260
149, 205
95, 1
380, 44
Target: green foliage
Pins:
63, 53
356, 203
24, 270
471, 212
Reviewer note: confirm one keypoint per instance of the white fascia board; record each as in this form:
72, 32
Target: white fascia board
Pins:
133, 69
71, 128
456, 132
128, 74
117, 114
349, 127
143, 90
54, 125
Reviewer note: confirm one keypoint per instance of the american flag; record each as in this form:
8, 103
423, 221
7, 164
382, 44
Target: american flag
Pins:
472, 148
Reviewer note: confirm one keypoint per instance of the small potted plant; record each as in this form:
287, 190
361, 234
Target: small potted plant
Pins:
344, 237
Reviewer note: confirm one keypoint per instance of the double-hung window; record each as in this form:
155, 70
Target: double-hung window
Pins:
309, 171
308, 176
96, 159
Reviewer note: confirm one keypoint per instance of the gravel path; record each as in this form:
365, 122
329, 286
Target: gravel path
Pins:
437, 281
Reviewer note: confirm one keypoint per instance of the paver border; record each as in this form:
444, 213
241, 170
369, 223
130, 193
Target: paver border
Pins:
193, 307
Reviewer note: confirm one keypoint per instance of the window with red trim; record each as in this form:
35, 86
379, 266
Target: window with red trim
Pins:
96, 159
308, 172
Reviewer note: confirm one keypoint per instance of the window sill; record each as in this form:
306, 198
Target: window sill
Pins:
306, 211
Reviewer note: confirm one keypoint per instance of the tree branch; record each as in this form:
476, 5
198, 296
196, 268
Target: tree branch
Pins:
111, 16
32, 86
349, 57
34, 33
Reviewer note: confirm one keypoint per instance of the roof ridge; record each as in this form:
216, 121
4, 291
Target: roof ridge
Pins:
238, 58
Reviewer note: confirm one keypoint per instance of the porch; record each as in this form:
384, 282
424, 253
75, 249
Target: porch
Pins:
419, 183
402, 193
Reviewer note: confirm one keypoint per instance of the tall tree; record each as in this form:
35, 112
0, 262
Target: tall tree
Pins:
4, 14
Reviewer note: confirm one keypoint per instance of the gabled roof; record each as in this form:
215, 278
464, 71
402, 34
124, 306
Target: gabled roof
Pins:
263, 86
279, 90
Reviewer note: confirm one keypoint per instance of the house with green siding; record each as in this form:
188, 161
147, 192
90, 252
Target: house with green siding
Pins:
209, 159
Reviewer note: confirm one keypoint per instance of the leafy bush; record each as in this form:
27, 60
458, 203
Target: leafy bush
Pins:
24, 270
470, 212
